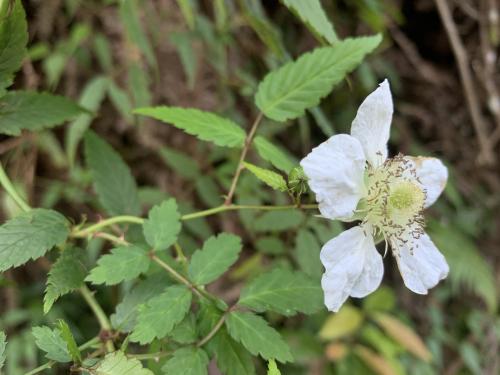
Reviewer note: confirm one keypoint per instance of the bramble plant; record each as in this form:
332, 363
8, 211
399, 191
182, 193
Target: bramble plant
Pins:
145, 263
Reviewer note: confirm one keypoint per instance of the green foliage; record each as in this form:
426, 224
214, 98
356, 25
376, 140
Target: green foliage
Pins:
312, 14
13, 39
287, 92
257, 336
29, 110
306, 253
232, 357
30, 235
217, 255
160, 314
163, 225
117, 363
51, 342
283, 291
272, 368
278, 220
181, 163
270, 178
186, 331
67, 274
113, 182
3, 345
204, 125
124, 263
187, 361
273, 154
68, 338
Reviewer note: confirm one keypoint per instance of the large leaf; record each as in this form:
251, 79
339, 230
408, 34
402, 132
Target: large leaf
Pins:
270, 178
160, 314
273, 154
3, 345
187, 361
312, 14
257, 336
66, 275
124, 263
51, 342
28, 110
232, 357
217, 255
113, 182
288, 91
283, 291
204, 125
30, 235
117, 363
163, 225
13, 40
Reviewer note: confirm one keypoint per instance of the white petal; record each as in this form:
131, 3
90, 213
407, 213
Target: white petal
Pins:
335, 170
346, 258
432, 174
372, 124
423, 269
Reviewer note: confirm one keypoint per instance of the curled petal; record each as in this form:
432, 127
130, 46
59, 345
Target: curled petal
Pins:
335, 171
372, 124
432, 174
353, 267
423, 268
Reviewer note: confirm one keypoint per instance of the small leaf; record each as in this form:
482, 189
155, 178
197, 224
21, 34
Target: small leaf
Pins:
124, 263
113, 181
306, 253
13, 40
377, 363
185, 332
163, 225
67, 274
273, 154
283, 291
403, 334
232, 358
187, 361
344, 323
51, 342
270, 178
272, 368
217, 255
120, 100
68, 338
181, 163
117, 363
312, 14
287, 92
30, 235
277, 221
257, 336
204, 125
28, 110
160, 314
3, 345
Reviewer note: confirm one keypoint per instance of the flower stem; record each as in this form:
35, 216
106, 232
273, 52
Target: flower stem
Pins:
246, 147
11, 190
99, 314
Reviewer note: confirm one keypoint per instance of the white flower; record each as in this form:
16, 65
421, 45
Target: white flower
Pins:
354, 180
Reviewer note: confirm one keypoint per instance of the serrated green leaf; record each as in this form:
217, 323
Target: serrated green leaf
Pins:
29, 110
125, 317
68, 338
91, 98
117, 363
272, 368
124, 263
306, 253
160, 314
276, 221
30, 235
232, 358
257, 336
270, 178
185, 332
113, 181
217, 255
51, 342
206, 126
13, 40
288, 91
3, 345
163, 225
181, 163
273, 154
312, 14
67, 274
187, 361
283, 291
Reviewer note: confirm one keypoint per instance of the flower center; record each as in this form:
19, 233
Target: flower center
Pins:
394, 202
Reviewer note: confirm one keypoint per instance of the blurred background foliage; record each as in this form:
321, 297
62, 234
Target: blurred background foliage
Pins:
113, 56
